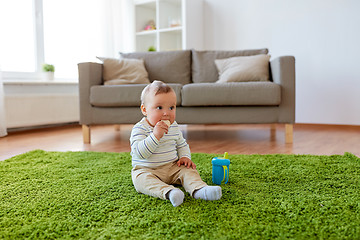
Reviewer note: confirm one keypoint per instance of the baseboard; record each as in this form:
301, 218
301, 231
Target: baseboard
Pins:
38, 127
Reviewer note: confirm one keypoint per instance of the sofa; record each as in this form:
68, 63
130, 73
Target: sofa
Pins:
212, 87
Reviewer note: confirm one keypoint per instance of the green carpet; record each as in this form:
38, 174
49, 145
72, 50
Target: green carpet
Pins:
89, 195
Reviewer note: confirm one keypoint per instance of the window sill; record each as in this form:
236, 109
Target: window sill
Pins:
40, 87
41, 82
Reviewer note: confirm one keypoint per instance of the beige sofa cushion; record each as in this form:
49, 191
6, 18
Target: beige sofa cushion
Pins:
231, 94
123, 96
169, 67
124, 71
243, 69
203, 62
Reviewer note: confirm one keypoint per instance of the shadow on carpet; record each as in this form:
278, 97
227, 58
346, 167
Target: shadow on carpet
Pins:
90, 195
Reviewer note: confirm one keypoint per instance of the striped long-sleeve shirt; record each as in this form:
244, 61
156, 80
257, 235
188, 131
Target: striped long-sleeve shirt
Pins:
147, 151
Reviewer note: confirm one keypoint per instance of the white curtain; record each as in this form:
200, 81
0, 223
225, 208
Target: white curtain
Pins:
2, 109
118, 30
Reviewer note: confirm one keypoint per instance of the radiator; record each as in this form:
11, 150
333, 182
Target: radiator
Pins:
27, 110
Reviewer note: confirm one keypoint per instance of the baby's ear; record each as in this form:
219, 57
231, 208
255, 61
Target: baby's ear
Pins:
143, 109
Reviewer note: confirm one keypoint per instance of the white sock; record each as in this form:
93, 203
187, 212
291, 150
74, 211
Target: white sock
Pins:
176, 197
208, 193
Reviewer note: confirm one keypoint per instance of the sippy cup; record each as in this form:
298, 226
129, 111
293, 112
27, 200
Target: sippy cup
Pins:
220, 169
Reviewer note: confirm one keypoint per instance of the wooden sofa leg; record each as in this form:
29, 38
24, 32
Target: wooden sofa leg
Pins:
273, 132
289, 133
86, 133
117, 127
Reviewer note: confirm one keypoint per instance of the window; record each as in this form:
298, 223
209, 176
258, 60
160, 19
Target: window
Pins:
17, 41
76, 29
58, 32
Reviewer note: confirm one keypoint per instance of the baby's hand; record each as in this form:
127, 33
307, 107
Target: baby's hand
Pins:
160, 129
187, 162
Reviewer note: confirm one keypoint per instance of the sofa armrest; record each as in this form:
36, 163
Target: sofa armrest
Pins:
90, 74
283, 73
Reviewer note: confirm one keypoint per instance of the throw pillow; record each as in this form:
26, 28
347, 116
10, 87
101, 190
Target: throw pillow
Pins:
243, 69
124, 71
203, 62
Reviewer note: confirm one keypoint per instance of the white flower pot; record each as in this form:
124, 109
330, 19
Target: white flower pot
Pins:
48, 76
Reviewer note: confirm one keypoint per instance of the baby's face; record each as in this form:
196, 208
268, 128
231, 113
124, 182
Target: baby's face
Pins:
160, 107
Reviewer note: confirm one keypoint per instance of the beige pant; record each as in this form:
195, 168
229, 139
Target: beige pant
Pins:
158, 182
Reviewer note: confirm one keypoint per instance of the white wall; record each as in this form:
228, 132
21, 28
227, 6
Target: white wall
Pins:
323, 35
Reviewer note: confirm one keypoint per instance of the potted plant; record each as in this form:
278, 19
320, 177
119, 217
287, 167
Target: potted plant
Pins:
48, 71
152, 49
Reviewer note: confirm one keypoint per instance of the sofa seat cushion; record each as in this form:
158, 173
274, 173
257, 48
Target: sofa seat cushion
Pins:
168, 66
231, 94
123, 95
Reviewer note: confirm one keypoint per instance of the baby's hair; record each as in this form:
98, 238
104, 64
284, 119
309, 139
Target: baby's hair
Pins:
156, 87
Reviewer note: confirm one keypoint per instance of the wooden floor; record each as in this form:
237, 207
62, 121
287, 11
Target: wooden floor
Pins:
234, 139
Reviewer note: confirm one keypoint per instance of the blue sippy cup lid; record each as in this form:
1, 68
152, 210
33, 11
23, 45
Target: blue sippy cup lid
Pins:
221, 161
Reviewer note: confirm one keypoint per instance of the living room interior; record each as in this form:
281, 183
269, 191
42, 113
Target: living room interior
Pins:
54, 184
321, 38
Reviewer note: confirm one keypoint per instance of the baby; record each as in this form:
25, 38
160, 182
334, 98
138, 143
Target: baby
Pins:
160, 155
